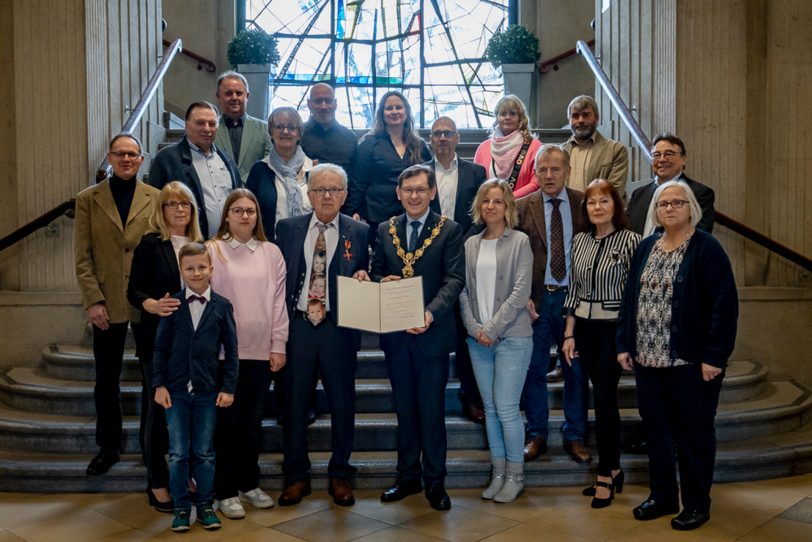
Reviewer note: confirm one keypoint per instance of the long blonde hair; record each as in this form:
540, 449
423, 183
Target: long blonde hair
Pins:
157, 221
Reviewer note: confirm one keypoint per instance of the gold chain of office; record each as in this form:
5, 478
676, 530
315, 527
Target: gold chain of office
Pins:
410, 258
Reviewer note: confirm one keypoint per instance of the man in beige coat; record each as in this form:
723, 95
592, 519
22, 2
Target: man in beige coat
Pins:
592, 156
111, 218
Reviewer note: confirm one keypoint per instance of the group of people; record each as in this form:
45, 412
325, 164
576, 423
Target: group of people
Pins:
225, 265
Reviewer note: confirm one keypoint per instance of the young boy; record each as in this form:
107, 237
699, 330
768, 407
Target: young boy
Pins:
185, 378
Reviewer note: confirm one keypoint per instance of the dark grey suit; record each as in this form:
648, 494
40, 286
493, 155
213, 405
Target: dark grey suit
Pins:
418, 364
637, 210
470, 177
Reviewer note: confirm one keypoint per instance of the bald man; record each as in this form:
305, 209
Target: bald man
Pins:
324, 139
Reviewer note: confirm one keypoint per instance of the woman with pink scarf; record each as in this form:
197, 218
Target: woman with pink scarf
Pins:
510, 153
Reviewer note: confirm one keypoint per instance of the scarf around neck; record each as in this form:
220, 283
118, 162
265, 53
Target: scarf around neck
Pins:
504, 150
289, 171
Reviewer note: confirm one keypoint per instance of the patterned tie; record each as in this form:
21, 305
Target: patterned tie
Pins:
413, 237
318, 267
558, 267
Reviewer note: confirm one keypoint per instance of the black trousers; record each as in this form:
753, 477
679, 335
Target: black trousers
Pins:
595, 342
678, 409
325, 352
108, 354
469, 391
238, 437
418, 386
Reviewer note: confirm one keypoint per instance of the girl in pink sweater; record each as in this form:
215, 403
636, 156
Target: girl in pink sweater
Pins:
249, 271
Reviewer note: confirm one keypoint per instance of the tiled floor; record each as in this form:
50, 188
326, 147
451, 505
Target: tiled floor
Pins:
773, 510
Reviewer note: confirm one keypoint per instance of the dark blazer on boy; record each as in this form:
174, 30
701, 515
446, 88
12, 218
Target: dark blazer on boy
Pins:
183, 353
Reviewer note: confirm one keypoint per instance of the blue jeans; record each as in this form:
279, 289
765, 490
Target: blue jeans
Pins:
191, 421
500, 371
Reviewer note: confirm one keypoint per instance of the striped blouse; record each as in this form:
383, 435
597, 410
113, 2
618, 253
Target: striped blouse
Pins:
598, 273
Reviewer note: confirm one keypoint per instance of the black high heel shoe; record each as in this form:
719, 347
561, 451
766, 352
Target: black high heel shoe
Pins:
617, 481
603, 503
167, 507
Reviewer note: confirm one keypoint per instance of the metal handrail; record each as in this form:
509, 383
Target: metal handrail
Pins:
67, 207
143, 101
545, 66
211, 67
64, 208
644, 143
620, 106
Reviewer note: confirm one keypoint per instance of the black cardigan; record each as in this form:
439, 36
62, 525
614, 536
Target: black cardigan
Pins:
704, 307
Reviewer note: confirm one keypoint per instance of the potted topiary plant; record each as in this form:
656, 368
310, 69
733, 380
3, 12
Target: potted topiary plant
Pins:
516, 50
254, 54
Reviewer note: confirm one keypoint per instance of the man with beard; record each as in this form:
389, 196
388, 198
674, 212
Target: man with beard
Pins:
592, 156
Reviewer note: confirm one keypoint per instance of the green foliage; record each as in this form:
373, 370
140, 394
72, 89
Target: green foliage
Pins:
252, 47
516, 45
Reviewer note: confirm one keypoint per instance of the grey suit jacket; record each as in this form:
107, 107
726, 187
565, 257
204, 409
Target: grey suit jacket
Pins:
514, 282
255, 144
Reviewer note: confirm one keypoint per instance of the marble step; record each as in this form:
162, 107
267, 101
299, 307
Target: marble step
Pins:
754, 459
37, 390
783, 406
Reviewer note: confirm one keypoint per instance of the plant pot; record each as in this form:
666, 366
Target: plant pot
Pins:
520, 80
259, 77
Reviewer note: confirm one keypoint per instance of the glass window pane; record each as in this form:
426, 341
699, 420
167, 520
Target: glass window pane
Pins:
376, 45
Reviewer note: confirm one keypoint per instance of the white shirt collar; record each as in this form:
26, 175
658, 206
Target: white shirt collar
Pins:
438, 166
206, 294
314, 220
421, 219
250, 245
212, 149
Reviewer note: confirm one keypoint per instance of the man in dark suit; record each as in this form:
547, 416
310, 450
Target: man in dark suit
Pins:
197, 163
317, 346
551, 217
457, 183
421, 243
668, 164
245, 139
111, 218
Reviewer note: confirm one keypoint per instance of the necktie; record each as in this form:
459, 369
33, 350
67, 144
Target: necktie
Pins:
413, 237
558, 267
193, 298
318, 268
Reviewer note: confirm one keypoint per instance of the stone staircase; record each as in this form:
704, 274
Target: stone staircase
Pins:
47, 429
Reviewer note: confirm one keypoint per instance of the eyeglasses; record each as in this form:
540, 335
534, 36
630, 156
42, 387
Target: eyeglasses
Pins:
239, 211
283, 127
418, 191
674, 204
667, 154
175, 204
448, 134
320, 192
125, 154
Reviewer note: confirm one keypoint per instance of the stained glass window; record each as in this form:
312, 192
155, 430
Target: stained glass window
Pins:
431, 50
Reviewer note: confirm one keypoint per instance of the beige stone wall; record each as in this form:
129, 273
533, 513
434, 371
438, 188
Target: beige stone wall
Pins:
205, 30
559, 24
733, 79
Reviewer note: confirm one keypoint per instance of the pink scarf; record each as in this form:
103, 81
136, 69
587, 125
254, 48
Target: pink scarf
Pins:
504, 150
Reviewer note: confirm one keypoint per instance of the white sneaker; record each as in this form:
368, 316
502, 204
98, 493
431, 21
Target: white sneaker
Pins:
257, 498
231, 508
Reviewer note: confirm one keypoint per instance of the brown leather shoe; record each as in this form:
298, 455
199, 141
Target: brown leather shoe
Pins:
294, 492
534, 447
473, 412
577, 451
341, 492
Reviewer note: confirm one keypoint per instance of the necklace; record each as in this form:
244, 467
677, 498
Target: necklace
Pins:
410, 258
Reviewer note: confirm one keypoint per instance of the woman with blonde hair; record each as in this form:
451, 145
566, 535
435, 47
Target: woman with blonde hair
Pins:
154, 277
510, 153
498, 277
249, 271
